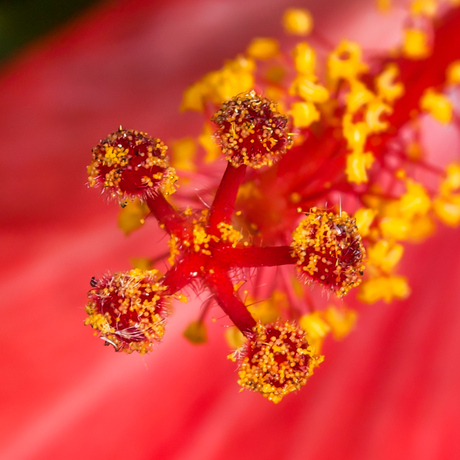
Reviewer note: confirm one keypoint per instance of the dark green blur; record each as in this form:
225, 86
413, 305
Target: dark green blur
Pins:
22, 21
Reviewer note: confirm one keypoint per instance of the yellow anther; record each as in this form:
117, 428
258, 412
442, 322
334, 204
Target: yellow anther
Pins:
375, 111
263, 48
297, 21
196, 333
395, 227
235, 339
364, 218
309, 90
183, 154
447, 209
387, 88
422, 227
415, 201
451, 183
415, 44
384, 6
193, 97
345, 62
385, 288
236, 76
357, 165
437, 105
132, 216
304, 59
424, 8
453, 73
358, 96
267, 311
355, 133
385, 255
316, 328
341, 321
207, 141
141, 263
304, 114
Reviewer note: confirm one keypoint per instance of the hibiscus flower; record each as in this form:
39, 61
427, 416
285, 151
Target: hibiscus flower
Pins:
389, 390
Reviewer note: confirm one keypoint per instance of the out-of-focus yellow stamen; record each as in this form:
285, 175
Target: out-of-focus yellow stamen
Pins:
304, 59
340, 320
183, 154
453, 73
304, 114
415, 44
447, 208
387, 88
437, 105
364, 218
386, 288
357, 165
297, 21
132, 216
385, 255
309, 90
345, 62
263, 48
316, 328
424, 8
196, 332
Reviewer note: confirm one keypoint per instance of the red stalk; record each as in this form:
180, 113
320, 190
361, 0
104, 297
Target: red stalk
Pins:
223, 207
168, 217
221, 286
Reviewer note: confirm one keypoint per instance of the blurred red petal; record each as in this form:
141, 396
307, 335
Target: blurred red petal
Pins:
390, 390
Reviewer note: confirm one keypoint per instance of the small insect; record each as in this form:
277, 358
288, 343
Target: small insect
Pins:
93, 281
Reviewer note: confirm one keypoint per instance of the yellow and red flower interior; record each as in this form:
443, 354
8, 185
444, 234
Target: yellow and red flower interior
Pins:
349, 154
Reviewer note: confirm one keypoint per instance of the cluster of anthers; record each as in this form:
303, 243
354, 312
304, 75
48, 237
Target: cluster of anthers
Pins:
348, 135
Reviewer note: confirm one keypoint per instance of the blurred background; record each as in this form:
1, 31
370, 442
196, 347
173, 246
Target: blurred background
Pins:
22, 21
